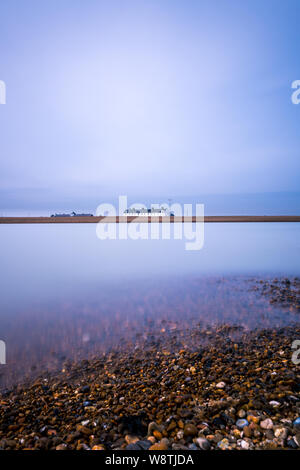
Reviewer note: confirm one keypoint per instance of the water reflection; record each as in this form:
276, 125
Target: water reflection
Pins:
66, 295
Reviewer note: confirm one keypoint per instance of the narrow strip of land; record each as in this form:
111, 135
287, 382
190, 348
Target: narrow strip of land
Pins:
140, 219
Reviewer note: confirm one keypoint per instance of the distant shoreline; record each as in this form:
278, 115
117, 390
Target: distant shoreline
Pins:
140, 219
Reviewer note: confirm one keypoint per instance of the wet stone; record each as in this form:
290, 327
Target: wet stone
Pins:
266, 424
202, 443
241, 423
144, 445
133, 447
292, 444
190, 430
224, 444
296, 423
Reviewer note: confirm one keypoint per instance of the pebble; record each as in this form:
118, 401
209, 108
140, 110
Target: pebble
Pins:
296, 423
274, 403
84, 430
297, 439
247, 430
266, 424
61, 447
269, 434
192, 447
223, 444
133, 446
244, 444
153, 426
220, 385
162, 445
190, 430
253, 419
203, 443
281, 432
241, 423
157, 435
131, 439
176, 446
292, 444
144, 445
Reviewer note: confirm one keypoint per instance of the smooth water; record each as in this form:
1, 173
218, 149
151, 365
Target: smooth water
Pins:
66, 294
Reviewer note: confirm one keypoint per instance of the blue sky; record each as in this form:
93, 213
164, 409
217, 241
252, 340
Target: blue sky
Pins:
163, 97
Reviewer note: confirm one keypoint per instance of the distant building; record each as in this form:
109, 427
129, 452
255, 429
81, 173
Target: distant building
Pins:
61, 215
153, 212
73, 214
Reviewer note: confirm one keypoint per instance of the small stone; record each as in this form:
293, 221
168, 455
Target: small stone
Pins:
180, 424
281, 433
223, 444
144, 445
247, 431
171, 426
162, 445
83, 430
269, 434
202, 443
190, 430
180, 435
157, 435
83, 446
43, 430
131, 439
177, 446
297, 439
98, 447
87, 403
221, 385
241, 413
153, 426
296, 423
237, 432
292, 444
274, 403
133, 447
241, 423
244, 444
253, 419
266, 424
61, 447
192, 446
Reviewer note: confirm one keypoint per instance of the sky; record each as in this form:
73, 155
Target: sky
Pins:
156, 98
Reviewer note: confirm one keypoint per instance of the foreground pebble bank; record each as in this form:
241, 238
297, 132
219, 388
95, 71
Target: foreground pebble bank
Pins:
239, 391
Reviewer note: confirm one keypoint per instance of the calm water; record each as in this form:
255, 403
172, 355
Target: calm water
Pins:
65, 294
